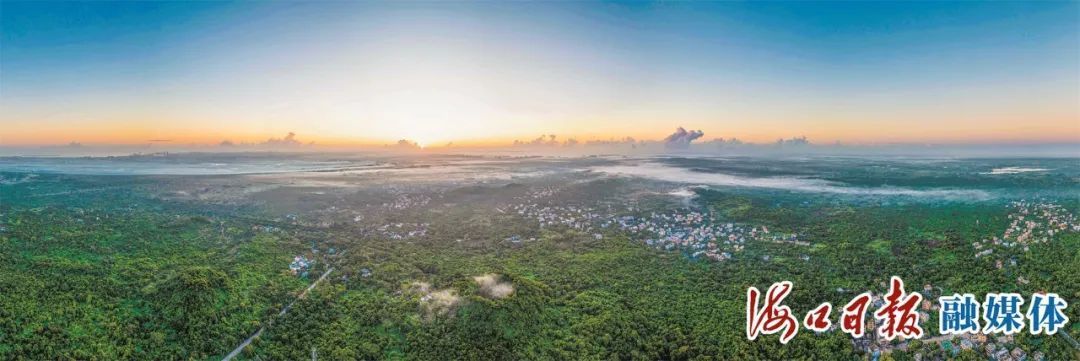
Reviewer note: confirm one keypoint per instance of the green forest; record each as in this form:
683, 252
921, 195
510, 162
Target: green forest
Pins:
119, 274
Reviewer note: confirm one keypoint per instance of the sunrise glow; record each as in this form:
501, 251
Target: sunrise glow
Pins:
488, 74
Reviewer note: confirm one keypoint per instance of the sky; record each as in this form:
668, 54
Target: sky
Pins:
341, 73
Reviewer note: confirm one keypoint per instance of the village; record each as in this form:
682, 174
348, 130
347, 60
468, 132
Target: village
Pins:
701, 243
700, 235
661, 216
996, 347
1029, 223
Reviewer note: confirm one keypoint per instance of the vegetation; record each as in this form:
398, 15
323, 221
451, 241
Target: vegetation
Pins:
116, 268
137, 285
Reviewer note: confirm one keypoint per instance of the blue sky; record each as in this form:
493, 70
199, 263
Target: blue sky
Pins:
116, 72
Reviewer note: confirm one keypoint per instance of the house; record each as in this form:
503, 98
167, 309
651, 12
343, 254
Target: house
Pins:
1018, 354
948, 347
300, 264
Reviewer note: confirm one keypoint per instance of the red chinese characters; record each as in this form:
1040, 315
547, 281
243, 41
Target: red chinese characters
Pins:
773, 317
898, 316
818, 319
853, 314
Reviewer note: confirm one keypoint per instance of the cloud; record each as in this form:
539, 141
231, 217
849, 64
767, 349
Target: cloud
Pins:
795, 141
810, 185
405, 144
439, 303
1014, 170
721, 142
612, 141
542, 140
289, 141
551, 140
433, 302
681, 138
626, 141
492, 286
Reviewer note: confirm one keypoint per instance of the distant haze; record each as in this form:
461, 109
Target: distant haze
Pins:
783, 148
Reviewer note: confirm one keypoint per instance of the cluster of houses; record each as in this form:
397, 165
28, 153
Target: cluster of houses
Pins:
693, 232
995, 347
1002, 352
574, 217
264, 228
1029, 223
538, 193
407, 201
300, 266
1037, 222
697, 233
398, 231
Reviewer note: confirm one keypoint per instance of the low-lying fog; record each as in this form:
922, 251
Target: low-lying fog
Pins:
945, 179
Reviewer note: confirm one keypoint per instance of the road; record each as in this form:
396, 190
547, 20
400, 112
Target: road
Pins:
284, 311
